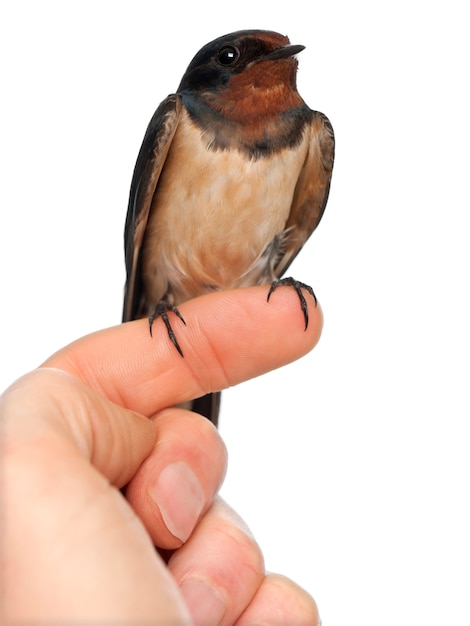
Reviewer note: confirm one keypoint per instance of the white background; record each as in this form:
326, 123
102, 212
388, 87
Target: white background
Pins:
351, 466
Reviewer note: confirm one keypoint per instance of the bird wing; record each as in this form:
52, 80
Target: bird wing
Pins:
311, 191
148, 167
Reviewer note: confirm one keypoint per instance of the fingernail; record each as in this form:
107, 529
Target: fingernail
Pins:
206, 603
180, 498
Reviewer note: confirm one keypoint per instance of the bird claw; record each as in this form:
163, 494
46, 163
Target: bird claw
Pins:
298, 286
161, 310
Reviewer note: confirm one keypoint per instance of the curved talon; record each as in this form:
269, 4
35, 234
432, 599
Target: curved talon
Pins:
161, 310
298, 286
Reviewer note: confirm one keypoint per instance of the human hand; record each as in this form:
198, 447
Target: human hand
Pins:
73, 434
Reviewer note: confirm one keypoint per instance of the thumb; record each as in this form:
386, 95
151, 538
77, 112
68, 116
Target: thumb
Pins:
59, 417
70, 539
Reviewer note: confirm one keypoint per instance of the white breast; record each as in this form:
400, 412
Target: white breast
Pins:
213, 215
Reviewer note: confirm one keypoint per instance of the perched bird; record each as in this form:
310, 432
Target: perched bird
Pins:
232, 178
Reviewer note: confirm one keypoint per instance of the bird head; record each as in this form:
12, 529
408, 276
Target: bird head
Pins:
254, 58
240, 89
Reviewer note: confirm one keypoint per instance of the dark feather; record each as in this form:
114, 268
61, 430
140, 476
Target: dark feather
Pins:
311, 192
148, 167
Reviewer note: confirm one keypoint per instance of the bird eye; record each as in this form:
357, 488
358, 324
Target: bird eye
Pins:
228, 55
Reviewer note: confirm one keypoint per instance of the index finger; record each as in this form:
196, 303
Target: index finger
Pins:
230, 336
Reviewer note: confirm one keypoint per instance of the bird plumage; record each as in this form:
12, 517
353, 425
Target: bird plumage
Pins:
232, 177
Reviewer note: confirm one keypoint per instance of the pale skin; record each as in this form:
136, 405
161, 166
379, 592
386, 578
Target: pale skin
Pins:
97, 470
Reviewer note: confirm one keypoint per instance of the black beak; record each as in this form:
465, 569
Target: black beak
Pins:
283, 52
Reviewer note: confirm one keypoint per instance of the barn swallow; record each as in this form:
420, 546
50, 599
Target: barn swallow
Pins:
232, 178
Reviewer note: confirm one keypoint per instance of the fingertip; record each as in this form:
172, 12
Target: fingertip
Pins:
244, 320
221, 563
280, 602
178, 480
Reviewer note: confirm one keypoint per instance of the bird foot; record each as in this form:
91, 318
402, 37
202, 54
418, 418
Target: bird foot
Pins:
161, 310
298, 286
